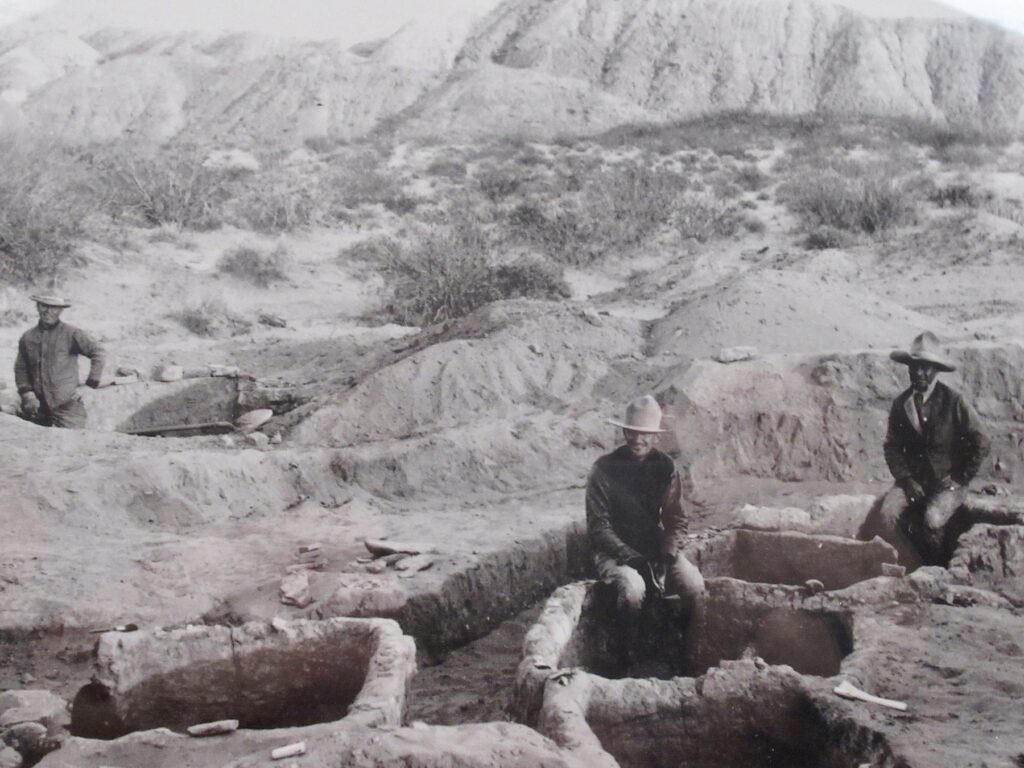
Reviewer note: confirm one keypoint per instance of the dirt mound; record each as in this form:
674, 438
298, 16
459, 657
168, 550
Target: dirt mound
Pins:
824, 418
785, 311
507, 360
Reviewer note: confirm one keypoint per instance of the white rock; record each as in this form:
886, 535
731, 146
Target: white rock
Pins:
294, 589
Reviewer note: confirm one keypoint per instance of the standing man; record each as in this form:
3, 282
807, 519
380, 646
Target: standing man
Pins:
636, 523
934, 447
46, 369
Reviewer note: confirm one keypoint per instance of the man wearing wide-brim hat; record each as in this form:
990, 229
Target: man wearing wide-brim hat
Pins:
636, 523
46, 368
934, 447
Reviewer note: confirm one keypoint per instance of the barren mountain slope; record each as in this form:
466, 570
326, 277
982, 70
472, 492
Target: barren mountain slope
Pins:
537, 67
686, 57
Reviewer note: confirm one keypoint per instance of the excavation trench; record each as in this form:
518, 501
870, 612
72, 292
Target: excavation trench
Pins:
287, 674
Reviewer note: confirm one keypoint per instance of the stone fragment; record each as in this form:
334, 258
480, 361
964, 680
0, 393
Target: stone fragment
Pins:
229, 371
168, 373
891, 569
735, 354
257, 440
10, 758
253, 420
382, 547
274, 321
32, 740
414, 563
294, 590
37, 706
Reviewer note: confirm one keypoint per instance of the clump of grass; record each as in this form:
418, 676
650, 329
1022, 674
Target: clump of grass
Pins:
860, 199
449, 274
259, 267
211, 319
496, 184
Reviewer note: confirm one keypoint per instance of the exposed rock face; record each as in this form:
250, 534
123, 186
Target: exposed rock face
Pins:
533, 66
992, 557
686, 57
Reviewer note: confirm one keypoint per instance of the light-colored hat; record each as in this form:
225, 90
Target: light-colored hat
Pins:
642, 415
924, 349
50, 301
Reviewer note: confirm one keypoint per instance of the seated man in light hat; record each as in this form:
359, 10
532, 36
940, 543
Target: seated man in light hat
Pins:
46, 368
636, 523
934, 447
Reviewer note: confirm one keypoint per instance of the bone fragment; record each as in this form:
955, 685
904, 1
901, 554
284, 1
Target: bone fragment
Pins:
292, 750
849, 691
213, 729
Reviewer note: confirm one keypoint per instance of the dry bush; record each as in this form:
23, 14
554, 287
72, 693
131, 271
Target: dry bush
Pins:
449, 169
496, 184
262, 268
211, 319
10, 317
276, 199
954, 195
826, 237
450, 273
45, 198
170, 185
704, 217
358, 178
863, 199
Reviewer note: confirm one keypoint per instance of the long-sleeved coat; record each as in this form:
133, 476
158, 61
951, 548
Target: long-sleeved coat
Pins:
949, 445
635, 508
47, 362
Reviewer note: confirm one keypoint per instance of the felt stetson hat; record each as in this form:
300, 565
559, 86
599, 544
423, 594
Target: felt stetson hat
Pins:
50, 301
924, 349
642, 415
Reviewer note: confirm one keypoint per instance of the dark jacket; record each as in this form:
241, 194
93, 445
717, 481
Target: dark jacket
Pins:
47, 362
635, 508
948, 445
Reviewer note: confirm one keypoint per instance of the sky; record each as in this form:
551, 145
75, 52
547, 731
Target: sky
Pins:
357, 20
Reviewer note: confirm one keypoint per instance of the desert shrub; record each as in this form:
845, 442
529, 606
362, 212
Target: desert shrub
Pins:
531, 277
496, 184
449, 273
373, 250
959, 194
45, 199
751, 178
864, 200
10, 316
450, 169
825, 237
164, 186
704, 217
400, 204
262, 268
276, 199
212, 318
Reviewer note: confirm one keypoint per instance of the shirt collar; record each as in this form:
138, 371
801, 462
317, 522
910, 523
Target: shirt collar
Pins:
929, 391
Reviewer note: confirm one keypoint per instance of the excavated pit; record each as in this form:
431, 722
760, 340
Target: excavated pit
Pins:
176, 409
287, 674
737, 717
789, 557
812, 642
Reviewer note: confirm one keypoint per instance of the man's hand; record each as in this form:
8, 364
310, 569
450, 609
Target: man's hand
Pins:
913, 490
29, 404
